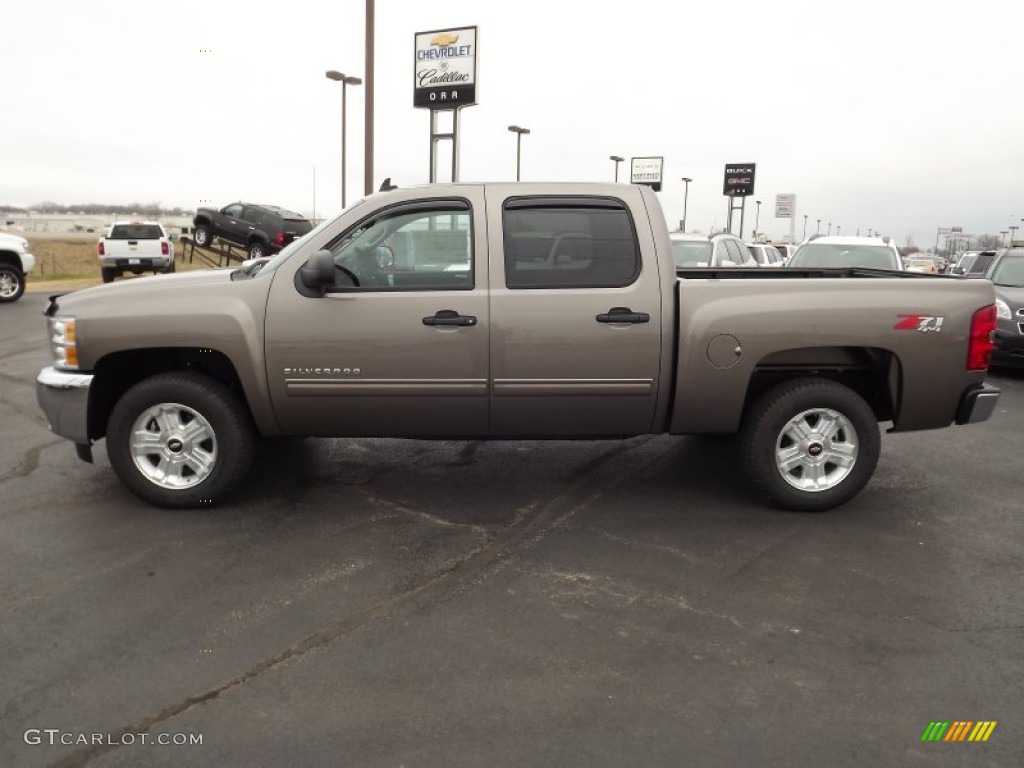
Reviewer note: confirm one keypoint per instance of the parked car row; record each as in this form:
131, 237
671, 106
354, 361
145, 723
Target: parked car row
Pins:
726, 250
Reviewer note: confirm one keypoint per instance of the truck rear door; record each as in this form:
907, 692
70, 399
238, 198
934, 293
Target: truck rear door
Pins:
575, 315
400, 347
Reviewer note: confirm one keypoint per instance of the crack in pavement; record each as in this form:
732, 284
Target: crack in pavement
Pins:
529, 527
30, 463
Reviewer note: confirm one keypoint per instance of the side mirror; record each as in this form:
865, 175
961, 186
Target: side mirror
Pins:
317, 274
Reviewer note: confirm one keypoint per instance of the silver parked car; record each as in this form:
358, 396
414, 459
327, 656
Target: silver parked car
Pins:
722, 250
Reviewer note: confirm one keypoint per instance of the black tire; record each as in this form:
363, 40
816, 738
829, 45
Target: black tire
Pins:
170, 268
202, 236
108, 274
788, 460
257, 249
12, 283
223, 432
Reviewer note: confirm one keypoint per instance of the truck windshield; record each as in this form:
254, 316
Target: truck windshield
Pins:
834, 255
691, 253
1009, 273
135, 232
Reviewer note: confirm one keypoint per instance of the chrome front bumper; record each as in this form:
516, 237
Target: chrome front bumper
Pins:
64, 398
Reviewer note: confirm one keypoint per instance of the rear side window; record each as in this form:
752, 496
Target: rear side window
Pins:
135, 232
298, 226
736, 255
569, 243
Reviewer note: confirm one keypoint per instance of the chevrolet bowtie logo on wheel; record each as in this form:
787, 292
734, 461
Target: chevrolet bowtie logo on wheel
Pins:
959, 730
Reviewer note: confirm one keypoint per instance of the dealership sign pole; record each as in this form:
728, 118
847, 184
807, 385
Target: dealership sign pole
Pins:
445, 81
647, 171
739, 182
785, 208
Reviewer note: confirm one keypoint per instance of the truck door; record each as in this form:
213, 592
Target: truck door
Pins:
575, 316
399, 346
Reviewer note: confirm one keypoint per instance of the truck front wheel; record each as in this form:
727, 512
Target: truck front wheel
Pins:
202, 236
180, 440
810, 444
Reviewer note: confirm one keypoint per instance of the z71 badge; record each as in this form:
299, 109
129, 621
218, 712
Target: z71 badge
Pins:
923, 323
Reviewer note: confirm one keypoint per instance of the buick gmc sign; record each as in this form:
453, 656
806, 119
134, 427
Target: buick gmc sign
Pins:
739, 179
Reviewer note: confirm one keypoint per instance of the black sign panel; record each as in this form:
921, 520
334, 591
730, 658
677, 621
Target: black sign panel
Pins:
739, 179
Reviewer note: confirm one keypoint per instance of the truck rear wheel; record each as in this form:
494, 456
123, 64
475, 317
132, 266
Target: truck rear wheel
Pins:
108, 274
12, 283
810, 444
180, 440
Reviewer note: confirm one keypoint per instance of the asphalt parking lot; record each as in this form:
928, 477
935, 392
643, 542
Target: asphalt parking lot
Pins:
389, 603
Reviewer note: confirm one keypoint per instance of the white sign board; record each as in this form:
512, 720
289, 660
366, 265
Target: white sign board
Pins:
445, 68
785, 205
646, 170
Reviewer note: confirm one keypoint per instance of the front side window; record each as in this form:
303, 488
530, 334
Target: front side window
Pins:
569, 243
408, 248
234, 211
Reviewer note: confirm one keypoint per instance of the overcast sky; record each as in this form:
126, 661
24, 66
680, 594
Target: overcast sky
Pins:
901, 116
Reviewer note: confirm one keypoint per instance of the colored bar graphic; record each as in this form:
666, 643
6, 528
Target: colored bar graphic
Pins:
958, 730
982, 731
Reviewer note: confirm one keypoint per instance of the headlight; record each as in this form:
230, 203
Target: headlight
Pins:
1003, 310
64, 342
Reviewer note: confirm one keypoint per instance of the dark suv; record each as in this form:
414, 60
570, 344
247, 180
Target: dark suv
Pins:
260, 229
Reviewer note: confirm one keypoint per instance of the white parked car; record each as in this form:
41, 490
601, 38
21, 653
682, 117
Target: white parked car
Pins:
766, 255
836, 251
15, 263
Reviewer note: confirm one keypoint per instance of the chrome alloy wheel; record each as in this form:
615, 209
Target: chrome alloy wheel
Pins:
9, 284
816, 449
173, 446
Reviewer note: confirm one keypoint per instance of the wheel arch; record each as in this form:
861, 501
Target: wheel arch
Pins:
872, 372
117, 372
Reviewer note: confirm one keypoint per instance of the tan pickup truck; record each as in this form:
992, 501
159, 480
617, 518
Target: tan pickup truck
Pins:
512, 311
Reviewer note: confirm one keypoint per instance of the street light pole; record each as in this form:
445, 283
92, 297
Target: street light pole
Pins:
805, 227
616, 159
818, 230
1013, 232
837, 230
686, 200
345, 80
519, 131
830, 228
1004, 233
757, 218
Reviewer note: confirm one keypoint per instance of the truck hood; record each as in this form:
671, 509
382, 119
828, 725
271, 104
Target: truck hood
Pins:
156, 288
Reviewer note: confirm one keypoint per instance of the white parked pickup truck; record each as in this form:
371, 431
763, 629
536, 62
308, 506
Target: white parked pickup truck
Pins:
15, 263
136, 247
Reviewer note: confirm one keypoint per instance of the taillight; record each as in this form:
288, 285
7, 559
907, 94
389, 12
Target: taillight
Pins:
165, 248
979, 348
279, 240
99, 248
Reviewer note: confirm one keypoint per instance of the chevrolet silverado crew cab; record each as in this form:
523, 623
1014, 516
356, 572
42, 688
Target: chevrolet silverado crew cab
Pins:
16, 261
512, 311
136, 247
